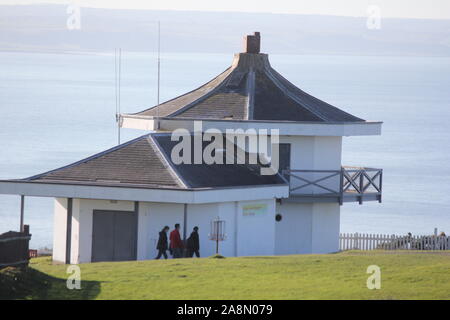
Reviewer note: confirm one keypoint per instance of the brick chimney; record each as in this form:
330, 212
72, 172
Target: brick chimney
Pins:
252, 43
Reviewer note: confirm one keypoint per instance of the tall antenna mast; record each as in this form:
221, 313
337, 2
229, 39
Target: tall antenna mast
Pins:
117, 71
120, 73
159, 72
115, 82
159, 58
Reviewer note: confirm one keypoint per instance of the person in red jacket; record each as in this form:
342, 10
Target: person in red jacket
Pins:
175, 242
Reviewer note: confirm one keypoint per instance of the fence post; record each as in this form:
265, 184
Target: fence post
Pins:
356, 244
362, 240
347, 240
22, 211
26, 231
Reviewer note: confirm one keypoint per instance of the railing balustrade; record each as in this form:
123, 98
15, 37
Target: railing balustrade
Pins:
353, 182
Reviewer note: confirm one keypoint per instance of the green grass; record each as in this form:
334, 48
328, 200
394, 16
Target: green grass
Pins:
333, 276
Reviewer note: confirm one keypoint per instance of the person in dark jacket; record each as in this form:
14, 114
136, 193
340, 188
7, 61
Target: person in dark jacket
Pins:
176, 245
193, 244
162, 243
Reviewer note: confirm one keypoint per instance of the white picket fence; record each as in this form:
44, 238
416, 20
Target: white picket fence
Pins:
364, 241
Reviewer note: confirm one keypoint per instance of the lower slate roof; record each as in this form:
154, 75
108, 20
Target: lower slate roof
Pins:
216, 175
136, 162
146, 162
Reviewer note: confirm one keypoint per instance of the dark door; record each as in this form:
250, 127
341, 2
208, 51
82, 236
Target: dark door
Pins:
113, 236
102, 235
285, 158
124, 236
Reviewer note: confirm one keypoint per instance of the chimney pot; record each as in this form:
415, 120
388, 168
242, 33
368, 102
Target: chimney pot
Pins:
252, 43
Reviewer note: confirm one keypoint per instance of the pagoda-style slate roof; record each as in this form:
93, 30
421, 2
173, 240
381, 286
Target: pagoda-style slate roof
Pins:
249, 90
146, 162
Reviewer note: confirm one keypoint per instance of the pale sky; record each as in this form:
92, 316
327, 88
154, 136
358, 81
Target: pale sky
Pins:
431, 9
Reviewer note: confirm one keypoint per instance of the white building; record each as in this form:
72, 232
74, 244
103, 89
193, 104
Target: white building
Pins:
111, 206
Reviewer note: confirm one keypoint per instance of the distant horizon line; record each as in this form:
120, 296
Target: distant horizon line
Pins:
222, 11
111, 52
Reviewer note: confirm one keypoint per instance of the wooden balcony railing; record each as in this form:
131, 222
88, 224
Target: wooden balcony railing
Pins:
348, 184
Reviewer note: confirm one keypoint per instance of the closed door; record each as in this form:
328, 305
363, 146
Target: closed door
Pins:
114, 236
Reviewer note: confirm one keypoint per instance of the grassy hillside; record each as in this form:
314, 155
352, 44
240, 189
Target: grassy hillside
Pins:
334, 276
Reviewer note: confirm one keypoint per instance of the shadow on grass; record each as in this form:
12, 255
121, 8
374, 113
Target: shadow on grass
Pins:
28, 283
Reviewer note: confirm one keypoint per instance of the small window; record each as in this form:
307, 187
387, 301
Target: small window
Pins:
278, 217
284, 158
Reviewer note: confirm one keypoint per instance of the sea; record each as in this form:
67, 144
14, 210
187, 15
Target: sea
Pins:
57, 108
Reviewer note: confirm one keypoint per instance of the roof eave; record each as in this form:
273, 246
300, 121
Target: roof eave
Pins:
83, 190
285, 127
136, 116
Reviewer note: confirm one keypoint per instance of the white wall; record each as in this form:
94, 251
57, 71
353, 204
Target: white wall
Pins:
79, 239
201, 215
293, 234
256, 234
82, 224
287, 128
315, 153
82, 219
59, 230
311, 227
252, 235
153, 217
227, 211
325, 227
307, 228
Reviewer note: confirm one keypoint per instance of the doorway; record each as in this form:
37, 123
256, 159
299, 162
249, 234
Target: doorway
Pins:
114, 235
285, 158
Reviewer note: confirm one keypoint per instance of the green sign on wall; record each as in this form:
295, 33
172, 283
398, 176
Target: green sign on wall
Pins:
254, 209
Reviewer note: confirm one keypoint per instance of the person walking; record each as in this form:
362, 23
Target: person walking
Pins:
193, 244
176, 245
162, 243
